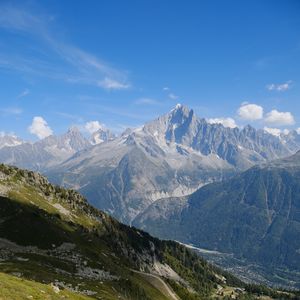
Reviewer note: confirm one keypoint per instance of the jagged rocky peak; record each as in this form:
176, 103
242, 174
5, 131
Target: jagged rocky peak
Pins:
9, 140
75, 139
73, 131
126, 132
182, 122
249, 128
180, 114
164, 126
102, 135
72, 140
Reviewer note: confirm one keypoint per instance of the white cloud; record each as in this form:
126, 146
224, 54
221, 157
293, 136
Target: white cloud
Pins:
298, 130
273, 131
40, 128
173, 96
279, 87
92, 126
166, 88
146, 101
276, 131
278, 118
11, 111
250, 112
112, 84
226, 122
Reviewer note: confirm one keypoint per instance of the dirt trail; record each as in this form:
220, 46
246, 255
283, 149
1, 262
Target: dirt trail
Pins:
157, 282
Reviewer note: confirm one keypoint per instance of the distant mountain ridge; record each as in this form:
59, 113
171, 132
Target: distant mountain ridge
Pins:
44, 153
170, 156
9, 140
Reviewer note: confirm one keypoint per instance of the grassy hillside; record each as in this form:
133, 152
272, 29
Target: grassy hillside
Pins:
54, 245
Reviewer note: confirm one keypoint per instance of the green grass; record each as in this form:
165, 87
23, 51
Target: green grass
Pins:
14, 288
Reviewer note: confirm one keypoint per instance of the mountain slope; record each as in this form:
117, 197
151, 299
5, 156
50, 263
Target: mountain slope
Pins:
9, 140
126, 175
60, 245
44, 153
255, 215
171, 156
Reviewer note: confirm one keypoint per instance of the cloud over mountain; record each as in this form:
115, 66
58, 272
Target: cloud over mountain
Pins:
250, 112
40, 128
278, 118
92, 126
226, 122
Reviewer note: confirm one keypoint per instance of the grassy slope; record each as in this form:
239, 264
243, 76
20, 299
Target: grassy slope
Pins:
14, 288
35, 213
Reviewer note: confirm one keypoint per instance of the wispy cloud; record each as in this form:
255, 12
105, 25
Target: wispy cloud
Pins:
99, 110
11, 111
72, 64
279, 87
112, 84
170, 94
173, 96
147, 101
72, 117
23, 93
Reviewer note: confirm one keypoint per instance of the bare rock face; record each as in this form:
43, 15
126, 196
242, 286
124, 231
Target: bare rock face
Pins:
102, 135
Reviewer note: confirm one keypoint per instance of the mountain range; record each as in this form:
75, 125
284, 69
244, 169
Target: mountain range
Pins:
170, 156
50, 151
9, 140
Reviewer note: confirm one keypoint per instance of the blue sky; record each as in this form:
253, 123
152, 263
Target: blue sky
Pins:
123, 63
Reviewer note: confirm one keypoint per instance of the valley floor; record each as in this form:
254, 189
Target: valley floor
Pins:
250, 272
